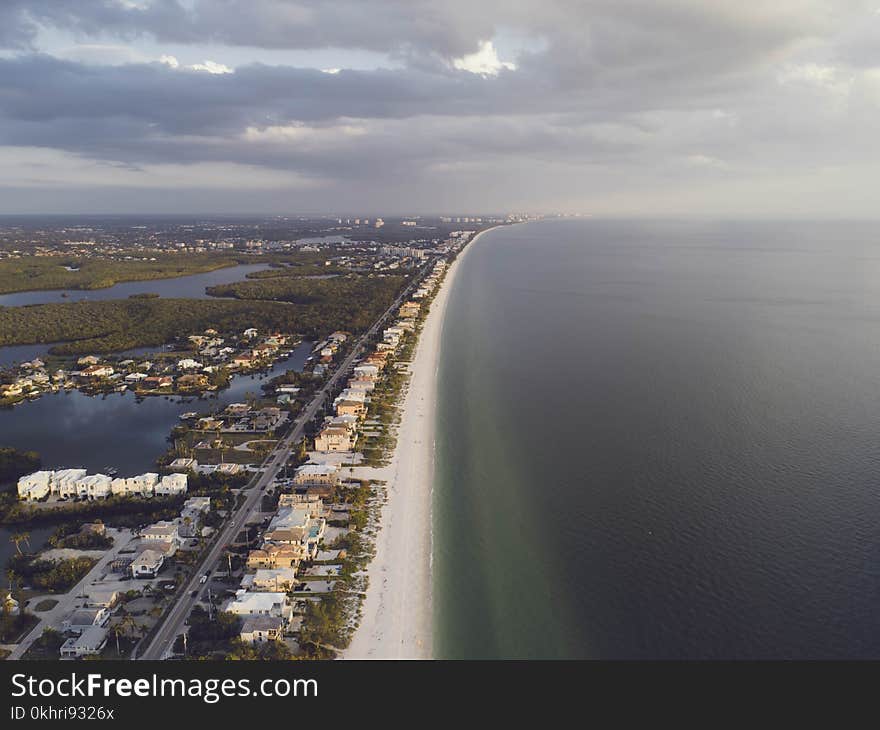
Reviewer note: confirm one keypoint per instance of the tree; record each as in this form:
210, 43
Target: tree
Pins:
18, 538
125, 626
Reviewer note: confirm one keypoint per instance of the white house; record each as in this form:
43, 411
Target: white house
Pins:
89, 643
188, 364
191, 514
102, 598
366, 372
171, 484
274, 580
95, 486
184, 464
35, 486
64, 482
141, 485
82, 619
162, 531
261, 604
147, 564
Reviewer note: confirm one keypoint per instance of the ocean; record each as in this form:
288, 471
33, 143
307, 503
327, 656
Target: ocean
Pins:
659, 440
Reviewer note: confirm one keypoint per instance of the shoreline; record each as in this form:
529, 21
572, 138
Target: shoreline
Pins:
397, 618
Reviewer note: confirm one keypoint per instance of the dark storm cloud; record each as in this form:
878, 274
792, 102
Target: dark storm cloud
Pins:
673, 91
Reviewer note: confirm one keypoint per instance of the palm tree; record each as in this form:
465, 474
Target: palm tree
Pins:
125, 626
18, 538
118, 629
13, 582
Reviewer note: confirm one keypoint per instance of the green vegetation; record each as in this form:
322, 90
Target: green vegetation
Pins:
348, 302
50, 272
52, 576
267, 651
47, 604
15, 463
46, 647
68, 536
13, 627
316, 307
116, 510
119, 324
324, 628
207, 636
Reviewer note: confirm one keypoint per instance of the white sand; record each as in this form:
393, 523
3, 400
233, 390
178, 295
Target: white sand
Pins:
397, 613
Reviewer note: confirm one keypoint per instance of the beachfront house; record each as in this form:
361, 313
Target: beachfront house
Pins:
333, 439
273, 580
276, 556
259, 629
325, 474
261, 604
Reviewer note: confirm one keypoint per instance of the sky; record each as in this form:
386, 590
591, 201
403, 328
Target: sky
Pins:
399, 107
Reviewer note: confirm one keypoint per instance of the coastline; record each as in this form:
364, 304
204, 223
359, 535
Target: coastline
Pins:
397, 619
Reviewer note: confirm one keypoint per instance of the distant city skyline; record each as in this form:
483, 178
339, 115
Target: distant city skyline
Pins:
386, 107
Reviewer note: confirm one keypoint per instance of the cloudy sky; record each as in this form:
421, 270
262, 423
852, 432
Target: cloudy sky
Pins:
611, 107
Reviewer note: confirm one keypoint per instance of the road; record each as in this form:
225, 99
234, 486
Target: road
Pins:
172, 623
67, 602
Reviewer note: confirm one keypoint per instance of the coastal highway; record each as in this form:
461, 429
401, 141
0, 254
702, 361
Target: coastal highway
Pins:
173, 622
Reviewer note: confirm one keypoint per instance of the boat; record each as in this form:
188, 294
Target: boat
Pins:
186, 416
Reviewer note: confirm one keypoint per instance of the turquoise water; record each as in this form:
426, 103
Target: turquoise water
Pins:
659, 440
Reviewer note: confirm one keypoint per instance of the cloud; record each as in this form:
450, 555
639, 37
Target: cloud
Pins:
485, 61
599, 101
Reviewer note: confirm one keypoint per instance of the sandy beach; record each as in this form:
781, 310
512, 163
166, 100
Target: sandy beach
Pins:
397, 612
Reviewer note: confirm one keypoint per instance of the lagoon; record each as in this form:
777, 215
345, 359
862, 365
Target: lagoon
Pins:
187, 287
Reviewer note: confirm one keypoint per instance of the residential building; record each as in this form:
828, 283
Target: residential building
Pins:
184, 464
162, 531
82, 619
258, 629
97, 371
64, 482
248, 603
276, 556
147, 564
142, 485
274, 580
95, 486
102, 598
316, 474
171, 484
35, 486
334, 439
89, 643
